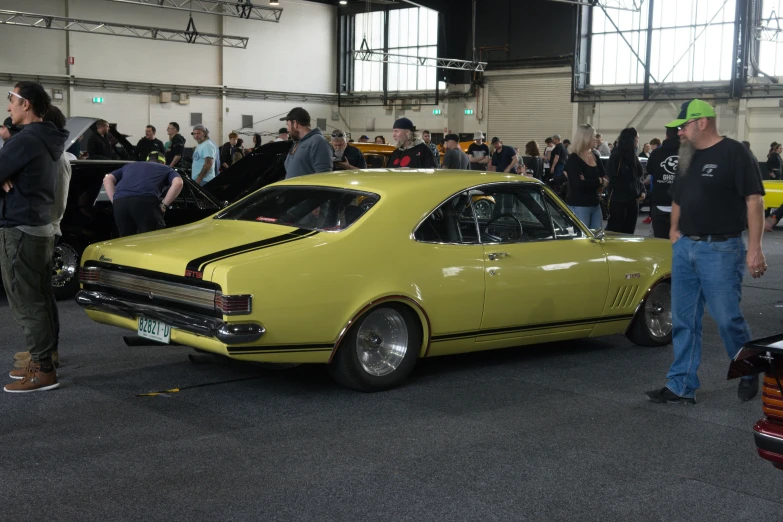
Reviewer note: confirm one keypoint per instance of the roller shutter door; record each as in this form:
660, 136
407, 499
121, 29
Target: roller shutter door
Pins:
529, 107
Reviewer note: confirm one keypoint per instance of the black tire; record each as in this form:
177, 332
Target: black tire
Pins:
66, 257
657, 305
347, 368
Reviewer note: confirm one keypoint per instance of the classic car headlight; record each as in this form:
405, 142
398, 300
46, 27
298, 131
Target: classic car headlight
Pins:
233, 304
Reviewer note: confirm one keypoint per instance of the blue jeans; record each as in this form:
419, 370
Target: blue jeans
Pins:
590, 216
711, 273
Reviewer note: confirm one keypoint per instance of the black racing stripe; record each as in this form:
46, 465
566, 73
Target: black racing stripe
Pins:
253, 249
523, 328
308, 350
198, 264
282, 348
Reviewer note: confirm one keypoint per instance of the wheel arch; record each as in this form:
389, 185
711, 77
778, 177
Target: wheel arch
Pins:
410, 303
667, 278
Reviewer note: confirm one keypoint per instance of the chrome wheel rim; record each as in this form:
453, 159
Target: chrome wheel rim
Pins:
65, 262
382, 342
658, 311
483, 209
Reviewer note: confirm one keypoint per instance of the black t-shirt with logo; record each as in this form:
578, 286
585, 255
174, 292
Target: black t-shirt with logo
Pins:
559, 150
662, 166
176, 148
418, 157
711, 195
354, 157
501, 160
478, 151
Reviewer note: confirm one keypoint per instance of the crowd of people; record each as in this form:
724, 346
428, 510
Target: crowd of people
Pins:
709, 256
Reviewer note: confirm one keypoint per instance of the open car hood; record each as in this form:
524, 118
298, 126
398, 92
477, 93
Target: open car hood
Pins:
85, 126
258, 169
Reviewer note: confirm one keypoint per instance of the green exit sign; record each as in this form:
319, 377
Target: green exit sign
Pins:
468, 112
436, 112
97, 100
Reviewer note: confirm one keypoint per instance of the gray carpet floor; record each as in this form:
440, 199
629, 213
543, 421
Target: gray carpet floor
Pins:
550, 432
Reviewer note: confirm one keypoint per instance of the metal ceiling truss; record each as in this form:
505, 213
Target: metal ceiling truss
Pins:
241, 9
367, 55
770, 29
62, 23
621, 5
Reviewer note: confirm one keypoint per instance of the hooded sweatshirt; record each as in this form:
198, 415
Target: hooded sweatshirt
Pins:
417, 156
310, 155
30, 161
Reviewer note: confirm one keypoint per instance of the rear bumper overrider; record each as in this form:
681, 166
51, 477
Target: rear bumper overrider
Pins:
228, 333
769, 441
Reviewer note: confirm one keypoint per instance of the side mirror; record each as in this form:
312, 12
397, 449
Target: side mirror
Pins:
599, 235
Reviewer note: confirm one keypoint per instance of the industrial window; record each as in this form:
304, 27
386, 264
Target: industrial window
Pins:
412, 32
692, 41
771, 36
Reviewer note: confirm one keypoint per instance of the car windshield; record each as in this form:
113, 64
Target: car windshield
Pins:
313, 208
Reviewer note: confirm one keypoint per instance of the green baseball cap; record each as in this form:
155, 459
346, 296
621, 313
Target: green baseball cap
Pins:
692, 110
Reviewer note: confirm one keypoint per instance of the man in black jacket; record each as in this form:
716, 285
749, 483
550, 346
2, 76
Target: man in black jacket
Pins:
29, 163
148, 143
411, 151
99, 146
662, 167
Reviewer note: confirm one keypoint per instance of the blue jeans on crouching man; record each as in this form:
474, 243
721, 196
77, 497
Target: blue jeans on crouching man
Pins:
710, 273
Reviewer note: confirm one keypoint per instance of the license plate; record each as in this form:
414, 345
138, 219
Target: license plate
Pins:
155, 330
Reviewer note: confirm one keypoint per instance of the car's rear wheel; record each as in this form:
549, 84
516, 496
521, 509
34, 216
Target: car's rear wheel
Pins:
652, 325
65, 268
380, 349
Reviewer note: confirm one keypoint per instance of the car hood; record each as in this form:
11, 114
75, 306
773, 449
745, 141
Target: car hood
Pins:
258, 169
194, 250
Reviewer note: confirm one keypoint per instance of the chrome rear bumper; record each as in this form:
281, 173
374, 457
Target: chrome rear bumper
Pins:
228, 333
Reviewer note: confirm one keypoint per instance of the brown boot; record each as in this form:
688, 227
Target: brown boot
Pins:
34, 380
22, 359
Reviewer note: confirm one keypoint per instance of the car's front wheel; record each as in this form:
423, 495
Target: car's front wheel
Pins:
652, 325
380, 349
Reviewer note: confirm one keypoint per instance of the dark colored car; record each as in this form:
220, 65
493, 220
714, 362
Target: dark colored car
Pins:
765, 355
88, 214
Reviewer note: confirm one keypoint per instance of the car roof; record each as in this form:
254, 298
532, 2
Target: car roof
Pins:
403, 181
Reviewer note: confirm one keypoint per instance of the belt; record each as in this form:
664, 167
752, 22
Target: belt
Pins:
715, 238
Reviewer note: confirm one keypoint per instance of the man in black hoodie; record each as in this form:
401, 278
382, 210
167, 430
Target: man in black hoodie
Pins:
29, 162
662, 166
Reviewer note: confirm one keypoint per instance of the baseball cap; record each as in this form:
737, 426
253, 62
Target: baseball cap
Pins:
364, 137
405, 124
299, 115
555, 136
201, 128
495, 140
690, 110
452, 137
156, 156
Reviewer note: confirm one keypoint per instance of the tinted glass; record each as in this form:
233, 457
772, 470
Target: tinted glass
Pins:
313, 208
452, 222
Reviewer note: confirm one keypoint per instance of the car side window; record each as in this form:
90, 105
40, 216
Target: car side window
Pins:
511, 213
564, 226
452, 222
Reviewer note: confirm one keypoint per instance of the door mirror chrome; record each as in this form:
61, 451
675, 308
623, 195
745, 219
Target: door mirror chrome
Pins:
496, 255
599, 234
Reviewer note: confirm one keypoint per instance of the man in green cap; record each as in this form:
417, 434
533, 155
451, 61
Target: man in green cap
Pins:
708, 254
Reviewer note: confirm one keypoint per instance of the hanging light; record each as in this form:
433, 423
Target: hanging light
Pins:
274, 2
343, 2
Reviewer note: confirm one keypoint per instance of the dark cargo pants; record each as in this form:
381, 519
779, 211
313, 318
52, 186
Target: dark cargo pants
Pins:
26, 265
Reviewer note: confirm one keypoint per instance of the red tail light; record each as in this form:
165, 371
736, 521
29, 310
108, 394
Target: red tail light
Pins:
233, 304
90, 274
772, 398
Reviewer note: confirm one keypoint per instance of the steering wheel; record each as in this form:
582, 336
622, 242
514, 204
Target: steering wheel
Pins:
512, 236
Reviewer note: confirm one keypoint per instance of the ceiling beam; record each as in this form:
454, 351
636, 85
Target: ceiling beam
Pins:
241, 9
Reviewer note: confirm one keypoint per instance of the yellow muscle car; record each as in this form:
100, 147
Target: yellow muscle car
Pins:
367, 271
774, 194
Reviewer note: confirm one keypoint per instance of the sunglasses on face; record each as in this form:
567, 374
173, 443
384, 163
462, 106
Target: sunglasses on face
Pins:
684, 125
12, 94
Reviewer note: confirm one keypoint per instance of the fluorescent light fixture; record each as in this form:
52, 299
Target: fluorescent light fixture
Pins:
274, 2
343, 2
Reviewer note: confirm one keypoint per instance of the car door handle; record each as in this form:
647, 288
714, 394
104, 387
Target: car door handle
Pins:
494, 256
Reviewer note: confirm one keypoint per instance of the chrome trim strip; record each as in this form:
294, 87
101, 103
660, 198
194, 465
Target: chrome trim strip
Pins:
228, 333
151, 288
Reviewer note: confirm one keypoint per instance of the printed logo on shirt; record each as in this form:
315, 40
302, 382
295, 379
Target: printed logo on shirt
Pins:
670, 164
708, 169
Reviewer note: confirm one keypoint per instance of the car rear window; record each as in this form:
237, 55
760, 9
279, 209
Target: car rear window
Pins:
313, 208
